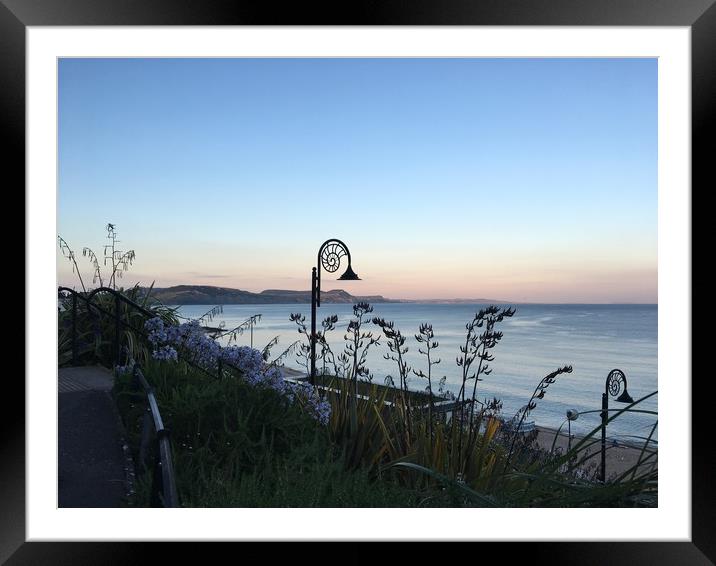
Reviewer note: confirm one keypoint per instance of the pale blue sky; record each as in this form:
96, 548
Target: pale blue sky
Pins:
522, 179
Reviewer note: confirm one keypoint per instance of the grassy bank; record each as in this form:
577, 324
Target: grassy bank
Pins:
238, 445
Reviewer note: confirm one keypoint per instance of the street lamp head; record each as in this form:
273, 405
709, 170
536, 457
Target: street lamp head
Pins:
572, 414
616, 380
625, 397
349, 275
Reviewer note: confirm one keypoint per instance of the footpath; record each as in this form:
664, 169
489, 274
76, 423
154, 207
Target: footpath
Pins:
92, 467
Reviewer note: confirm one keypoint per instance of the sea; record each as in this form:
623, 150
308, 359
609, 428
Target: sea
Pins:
538, 339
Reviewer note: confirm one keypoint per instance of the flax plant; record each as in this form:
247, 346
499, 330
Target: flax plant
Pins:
396, 344
537, 394
478, 346
358, 343
324, 354
426, 336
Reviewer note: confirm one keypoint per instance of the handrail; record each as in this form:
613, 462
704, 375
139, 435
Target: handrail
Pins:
158, 424
120, 297
163, 481
89, 296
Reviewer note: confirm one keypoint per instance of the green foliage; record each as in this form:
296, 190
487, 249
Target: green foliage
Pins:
308, 476
239, 445
357, 425
399, 436
538, 478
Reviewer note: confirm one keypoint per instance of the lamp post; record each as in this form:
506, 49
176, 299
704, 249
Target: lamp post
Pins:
613, 386
572, 415
329, 257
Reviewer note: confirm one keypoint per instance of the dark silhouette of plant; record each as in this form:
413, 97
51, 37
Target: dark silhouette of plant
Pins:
358, 343
478, 346
266, 352
538, 393
303, 354
397, 347
119, 260
324, 354
327, 356
70, 255
427, 336
237, 331
209, 315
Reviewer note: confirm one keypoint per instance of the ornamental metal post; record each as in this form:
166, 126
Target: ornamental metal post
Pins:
312, 379
605, 410
329, 257
612, 387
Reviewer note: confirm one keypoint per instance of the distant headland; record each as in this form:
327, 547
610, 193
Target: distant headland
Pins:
207, 294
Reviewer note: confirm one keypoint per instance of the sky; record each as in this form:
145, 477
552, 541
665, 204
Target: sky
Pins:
525, 180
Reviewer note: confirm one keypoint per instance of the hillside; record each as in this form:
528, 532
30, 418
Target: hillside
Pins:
208, 295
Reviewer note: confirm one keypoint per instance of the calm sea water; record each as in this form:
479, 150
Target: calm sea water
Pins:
593, 339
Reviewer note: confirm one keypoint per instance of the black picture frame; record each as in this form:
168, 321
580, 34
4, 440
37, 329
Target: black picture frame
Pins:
699, 15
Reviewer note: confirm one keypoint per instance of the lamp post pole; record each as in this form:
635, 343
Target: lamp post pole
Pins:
312, 379
572, 415
613, 386
329, 258
604, 413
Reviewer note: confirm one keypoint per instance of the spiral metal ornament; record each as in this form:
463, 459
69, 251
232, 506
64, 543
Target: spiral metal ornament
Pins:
615, 381
331, 257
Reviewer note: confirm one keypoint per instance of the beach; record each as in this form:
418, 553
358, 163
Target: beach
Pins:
619, 457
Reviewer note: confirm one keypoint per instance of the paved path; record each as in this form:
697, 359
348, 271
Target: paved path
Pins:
92, 468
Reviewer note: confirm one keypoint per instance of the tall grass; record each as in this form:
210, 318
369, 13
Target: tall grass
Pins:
402, 438
538, 478
240, 445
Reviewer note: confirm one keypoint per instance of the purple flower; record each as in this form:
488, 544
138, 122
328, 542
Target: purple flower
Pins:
165, 353
192, 341
121, 370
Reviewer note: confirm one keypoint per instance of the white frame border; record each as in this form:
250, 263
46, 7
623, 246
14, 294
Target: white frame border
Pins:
670, 521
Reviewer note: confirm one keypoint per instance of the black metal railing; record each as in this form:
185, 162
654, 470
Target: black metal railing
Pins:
88, 298
120, 322
164, 490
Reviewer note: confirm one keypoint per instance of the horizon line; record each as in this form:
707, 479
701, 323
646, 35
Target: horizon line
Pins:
465, 300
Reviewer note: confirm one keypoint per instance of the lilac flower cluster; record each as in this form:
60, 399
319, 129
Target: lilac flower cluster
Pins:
121, 370
248, 360
206, 352
165, 353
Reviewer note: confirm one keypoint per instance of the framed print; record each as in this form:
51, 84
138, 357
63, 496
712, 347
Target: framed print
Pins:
225, 183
